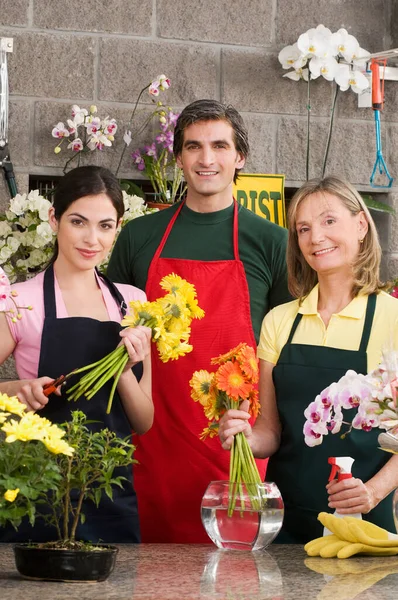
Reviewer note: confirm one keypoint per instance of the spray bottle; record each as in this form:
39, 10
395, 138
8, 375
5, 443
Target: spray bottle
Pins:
341, 467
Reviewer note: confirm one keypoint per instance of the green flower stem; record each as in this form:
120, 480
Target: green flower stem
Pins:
129, 125
307, 162
123, 363
101, 366
332, 112
97, 380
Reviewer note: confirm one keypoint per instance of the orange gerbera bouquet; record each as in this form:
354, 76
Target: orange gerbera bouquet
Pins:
218, 391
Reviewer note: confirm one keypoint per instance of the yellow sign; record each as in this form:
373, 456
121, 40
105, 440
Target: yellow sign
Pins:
263, 194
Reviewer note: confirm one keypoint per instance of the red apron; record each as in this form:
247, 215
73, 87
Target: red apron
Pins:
175, 466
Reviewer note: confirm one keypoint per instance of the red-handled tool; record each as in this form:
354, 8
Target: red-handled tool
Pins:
377, 105
49, 388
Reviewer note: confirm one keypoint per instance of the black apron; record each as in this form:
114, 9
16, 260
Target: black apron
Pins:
301, 472
68, 344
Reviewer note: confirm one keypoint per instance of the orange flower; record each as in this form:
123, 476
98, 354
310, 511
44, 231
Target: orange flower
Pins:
223, 358
231, 380
211, 431
249, 363
254, 408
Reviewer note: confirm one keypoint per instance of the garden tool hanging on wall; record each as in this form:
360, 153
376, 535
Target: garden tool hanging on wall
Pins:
380, 168
5, 160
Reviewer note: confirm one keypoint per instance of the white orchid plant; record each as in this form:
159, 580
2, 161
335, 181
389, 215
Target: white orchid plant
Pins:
373, 395
335, 56
27, 240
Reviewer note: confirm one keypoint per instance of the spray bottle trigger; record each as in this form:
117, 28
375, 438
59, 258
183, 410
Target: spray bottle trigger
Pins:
334, 472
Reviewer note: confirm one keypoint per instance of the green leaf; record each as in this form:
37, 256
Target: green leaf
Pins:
131, 188
373, 204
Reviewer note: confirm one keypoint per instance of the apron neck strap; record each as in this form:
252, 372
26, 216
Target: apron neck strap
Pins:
116, 295
367, 327
50, 307
173, 220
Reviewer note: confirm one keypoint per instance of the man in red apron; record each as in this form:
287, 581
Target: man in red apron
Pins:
236, 260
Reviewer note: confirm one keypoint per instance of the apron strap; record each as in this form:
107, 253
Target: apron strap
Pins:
173, 220
50, 307
367, 328
294, 327
117, 296
167, 232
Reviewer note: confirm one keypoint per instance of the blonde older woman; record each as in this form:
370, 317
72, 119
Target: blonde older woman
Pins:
340, 320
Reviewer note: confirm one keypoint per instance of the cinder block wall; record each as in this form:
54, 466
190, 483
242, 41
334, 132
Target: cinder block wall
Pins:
105, 52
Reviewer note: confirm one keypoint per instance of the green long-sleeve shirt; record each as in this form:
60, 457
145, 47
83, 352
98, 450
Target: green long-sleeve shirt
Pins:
207, 237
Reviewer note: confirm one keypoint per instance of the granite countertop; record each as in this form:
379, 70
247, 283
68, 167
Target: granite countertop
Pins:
193, 572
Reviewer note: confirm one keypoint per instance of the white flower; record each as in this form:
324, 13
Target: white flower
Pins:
19, 204
44, 235
297, 74
5, 254
344, 44
60, 131
313, 43
5, 229
13, 243
326, 67
127, 138
76, 145
79, 114
347, 77
98, 140
289, 55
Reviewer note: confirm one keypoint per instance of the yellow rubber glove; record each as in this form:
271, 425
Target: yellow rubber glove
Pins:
372, 535
337, 525
326, 546
352, 549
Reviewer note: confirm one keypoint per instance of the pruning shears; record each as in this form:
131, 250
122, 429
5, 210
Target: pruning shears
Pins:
49, 388
380, 166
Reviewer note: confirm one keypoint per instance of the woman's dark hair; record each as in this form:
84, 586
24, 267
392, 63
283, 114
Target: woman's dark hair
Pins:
85, 181
212, 110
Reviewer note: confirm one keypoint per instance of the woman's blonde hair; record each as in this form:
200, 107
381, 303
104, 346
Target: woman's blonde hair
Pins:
366, 269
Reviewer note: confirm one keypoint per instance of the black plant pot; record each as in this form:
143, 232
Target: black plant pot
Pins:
53, 564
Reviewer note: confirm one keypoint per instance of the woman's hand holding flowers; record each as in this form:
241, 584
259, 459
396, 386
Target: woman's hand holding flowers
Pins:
137, 341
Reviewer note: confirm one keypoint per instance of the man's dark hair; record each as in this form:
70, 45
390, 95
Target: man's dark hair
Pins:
212, 110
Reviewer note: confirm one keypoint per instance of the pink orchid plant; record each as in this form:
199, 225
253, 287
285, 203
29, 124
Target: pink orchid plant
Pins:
7, 295
373, 395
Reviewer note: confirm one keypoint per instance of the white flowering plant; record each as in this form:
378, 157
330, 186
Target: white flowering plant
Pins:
374, 395
84, 132
27, 240
337, 57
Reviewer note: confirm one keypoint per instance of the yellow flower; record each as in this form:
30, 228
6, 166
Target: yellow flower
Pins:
12, 405
174, 283
10, 495
201, 384
209, 432
58, 446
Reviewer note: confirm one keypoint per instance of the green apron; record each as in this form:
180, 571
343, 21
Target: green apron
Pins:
301, 472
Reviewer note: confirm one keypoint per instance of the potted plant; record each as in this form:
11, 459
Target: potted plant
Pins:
47, 472
158, 162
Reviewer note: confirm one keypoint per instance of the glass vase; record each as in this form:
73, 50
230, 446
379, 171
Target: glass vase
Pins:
242, 517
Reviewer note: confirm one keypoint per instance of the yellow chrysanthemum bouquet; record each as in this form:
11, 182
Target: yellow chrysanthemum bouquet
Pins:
170, 319
224, 389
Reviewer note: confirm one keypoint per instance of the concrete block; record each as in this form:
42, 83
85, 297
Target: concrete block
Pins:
63, 66
7, 370
352, 151
347, 105
22, 181
390, 150
224, 21
365, 20
393, 233
127, 66
19, 132
291, 147
392, 267
262, 134
47, 114
14, 13
253, 81
119, 16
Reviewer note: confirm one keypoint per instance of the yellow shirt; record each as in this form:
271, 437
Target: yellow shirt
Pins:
344, 330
